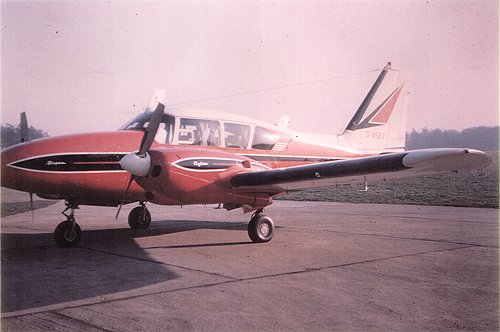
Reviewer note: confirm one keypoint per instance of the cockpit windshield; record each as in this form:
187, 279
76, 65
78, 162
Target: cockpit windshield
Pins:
165, 132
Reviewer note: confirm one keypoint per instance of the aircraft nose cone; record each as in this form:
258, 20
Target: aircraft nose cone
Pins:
135, 164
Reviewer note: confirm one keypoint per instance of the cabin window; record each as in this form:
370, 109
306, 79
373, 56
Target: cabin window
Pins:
236, 135
165, 133
264, 139
199, 132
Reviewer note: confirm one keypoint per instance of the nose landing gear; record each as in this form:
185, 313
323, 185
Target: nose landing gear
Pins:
139, 217
68, 233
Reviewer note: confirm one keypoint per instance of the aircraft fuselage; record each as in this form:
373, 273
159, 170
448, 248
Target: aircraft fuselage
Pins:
85, 168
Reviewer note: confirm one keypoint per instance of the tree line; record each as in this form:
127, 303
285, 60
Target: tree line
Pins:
481, 138
11, 135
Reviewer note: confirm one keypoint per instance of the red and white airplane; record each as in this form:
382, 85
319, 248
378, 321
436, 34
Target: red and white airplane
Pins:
182, 157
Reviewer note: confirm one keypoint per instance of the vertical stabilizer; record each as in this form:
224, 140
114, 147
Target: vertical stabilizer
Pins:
379, 123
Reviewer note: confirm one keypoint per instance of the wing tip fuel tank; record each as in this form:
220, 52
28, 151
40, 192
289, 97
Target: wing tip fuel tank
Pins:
448, 159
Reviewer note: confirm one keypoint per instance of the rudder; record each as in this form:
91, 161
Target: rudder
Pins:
379, 123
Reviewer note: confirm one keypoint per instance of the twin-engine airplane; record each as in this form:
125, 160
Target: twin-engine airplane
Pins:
181, 157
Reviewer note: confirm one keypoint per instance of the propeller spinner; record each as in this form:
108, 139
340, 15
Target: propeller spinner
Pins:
138, 164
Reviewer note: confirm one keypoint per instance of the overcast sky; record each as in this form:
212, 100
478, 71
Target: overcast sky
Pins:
87, 66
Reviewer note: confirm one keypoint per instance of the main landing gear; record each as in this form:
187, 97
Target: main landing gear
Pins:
260, 227
139, 217
68, 233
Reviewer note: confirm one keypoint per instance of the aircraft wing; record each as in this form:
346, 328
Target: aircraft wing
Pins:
362, 170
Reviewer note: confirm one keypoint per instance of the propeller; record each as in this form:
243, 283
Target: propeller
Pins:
25, 134
25, 137
138, 164
132, 177
31, 207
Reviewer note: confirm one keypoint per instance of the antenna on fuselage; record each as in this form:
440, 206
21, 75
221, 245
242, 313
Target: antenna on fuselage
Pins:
283, 121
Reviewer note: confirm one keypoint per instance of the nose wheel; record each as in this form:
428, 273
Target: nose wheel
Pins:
260, 228
139, 217
68, 233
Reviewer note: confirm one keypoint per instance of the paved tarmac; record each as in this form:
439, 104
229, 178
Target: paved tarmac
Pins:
330, 267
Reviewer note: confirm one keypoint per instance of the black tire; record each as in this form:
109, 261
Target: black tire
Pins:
261, 229
139, 218
67, 234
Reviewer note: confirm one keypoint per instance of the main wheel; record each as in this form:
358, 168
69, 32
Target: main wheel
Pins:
139, 218
67, 234
261, 229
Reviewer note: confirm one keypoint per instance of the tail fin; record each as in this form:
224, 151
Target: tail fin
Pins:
25, 135
379, 124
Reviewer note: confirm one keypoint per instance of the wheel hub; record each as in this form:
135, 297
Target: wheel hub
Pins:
264, 229
70, 235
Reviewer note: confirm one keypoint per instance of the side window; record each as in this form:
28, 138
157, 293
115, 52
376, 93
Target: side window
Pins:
264, 139
199, 132
165, 131
236, 135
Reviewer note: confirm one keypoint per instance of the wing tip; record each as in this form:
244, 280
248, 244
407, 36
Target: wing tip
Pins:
447, 159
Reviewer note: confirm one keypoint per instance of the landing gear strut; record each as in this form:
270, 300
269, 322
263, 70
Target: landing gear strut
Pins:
260, 227
139, 217
68, 233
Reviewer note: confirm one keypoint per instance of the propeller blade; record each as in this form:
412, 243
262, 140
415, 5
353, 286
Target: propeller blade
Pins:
132, 177
31, 201
25, 135
31, 207
154, 123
